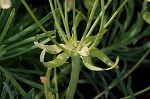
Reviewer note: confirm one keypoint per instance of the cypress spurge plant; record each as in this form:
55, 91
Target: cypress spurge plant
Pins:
79, 50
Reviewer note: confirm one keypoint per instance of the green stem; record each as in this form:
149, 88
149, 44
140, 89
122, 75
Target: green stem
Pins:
89, 23
74, 29
97, 19
48, 94
41, 27
64, 19
58, 26
101, 25
115, 14
103, 15
56, 83
55, 69
74, 76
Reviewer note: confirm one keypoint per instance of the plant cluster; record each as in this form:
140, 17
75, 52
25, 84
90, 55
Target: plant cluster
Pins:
77, 34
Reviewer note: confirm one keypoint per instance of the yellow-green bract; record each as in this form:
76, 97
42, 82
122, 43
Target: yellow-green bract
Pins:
85, 53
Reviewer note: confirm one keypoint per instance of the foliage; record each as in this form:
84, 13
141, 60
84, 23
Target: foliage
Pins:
117, 31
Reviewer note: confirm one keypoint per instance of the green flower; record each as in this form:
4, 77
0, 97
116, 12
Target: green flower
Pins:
5, 4
78, 49
85, 48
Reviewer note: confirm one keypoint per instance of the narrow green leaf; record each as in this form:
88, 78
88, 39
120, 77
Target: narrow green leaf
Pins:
4, 17
23, 50
136, 28
115, 14
89, 4
112, 85
2, 52
105, 86
13, 81
64, 19
30, 95
16, 70
31, 83
89, 40
18, 53
121, 84
130, 92
97, 19
10, 93
29, 29
137, 93
77, 20
11, 16
43, 29
1, 47
4, 92
91, 81
130, 12
94, 6
129, 81
28, 40
58, 26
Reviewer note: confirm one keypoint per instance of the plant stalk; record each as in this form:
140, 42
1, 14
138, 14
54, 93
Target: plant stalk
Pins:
56, 83
48, 94
74, 76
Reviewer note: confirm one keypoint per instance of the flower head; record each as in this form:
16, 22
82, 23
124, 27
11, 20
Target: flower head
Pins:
5, 4
85, 53
85, 48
